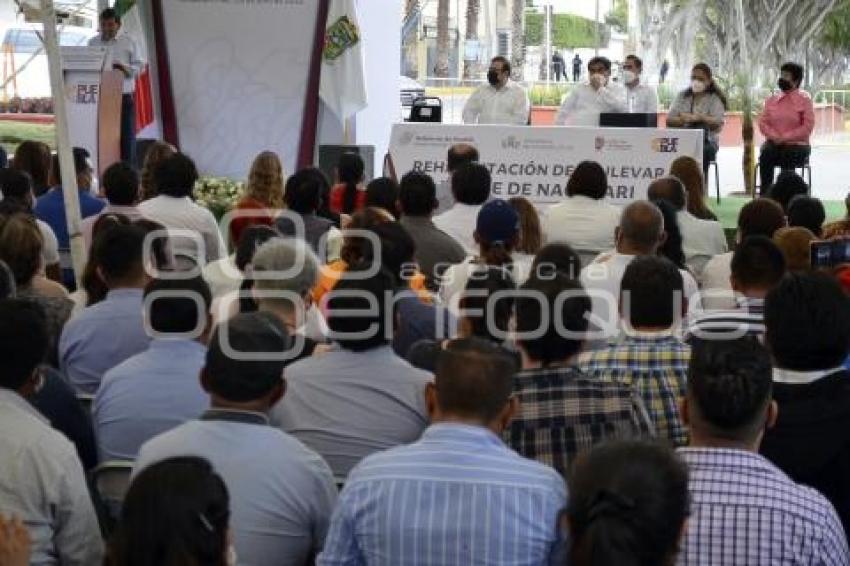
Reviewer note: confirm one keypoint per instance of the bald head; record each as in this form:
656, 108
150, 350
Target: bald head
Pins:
670, 189
641, 229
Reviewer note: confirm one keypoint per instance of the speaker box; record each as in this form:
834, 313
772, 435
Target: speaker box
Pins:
329, 157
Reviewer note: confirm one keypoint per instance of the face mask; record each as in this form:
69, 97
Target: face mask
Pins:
493, 77
629, 76
784, 85
698, 86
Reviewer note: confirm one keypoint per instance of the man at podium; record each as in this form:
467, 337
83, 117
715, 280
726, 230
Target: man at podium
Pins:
122, 55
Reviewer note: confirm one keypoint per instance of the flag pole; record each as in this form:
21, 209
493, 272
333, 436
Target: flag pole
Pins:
69, 187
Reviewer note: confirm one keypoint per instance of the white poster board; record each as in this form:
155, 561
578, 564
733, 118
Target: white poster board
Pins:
239, 75
536, 162
82, 69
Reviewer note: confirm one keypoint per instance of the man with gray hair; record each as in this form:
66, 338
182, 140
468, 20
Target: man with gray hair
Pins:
284, 272
701, 239
640, 233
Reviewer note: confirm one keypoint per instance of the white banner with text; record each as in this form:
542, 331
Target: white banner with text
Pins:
536, 163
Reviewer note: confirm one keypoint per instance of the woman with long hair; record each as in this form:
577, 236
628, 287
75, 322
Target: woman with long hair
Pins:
672, 247
701, 106
348, 195
263, 195
628, 505
530, 233
176, 513
157, 153
688, 171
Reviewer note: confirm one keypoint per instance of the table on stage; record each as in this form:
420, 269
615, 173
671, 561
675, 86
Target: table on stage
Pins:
536, 163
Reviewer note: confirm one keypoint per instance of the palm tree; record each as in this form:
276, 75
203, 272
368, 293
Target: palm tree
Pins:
473, 8
517, 38
441, 68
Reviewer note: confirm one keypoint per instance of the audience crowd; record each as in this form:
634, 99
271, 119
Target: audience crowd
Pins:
388, 373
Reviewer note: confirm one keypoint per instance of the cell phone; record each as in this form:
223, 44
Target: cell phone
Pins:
830, 253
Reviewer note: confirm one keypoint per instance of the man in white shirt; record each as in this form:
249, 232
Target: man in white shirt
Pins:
640, 98
471, 189
701, 239
501, 102
641, 232
587, 101
174, 209
584, 221
41, 478
122, 55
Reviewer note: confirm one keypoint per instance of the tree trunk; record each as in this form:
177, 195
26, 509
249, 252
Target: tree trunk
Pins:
473, 8
441, 67
517, 38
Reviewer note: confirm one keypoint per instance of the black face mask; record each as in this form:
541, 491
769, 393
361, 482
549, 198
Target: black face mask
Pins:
493, 77
784, 85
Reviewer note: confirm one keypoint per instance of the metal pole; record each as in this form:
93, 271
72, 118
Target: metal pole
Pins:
548, 54
70, 190
596, 30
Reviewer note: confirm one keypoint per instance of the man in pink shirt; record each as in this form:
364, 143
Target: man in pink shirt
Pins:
786, 123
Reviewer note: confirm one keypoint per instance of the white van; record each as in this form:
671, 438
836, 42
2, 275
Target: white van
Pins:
22, 55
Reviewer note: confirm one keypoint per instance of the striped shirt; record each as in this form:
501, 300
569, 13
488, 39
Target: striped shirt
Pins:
563, 412
744, 510
746, 320
655, 366
457, 496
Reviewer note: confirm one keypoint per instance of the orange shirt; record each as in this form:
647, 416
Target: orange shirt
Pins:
331, 273
337, 199
238, 225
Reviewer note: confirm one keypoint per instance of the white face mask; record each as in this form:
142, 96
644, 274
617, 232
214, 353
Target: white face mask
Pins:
698, 86
629, 76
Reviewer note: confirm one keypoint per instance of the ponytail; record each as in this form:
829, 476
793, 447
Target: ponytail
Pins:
349, 199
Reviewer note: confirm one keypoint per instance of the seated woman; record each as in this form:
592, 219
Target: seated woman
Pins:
263, 195
701, 106
348, 195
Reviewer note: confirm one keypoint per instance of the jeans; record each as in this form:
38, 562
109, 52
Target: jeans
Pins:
128, 129
776, 155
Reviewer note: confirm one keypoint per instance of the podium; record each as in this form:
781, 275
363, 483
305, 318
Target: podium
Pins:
93, 96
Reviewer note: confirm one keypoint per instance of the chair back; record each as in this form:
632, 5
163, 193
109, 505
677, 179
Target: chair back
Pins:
112, 480
426, 109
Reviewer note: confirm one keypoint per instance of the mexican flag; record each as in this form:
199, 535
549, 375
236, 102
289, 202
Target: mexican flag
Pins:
131, 24
343, 82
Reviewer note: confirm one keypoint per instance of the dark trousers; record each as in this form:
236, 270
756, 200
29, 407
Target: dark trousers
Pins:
128, 129
776, 155
576, 75
558, 72
709, 154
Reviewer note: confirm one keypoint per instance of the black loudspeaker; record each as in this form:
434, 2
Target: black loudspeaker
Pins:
329, 157
426, 109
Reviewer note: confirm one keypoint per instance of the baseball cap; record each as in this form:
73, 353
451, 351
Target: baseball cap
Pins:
497, 222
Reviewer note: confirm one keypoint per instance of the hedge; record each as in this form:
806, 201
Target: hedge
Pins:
568, 31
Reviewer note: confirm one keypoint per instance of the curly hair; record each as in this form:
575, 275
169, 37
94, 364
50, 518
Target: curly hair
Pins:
156, 154
265, 181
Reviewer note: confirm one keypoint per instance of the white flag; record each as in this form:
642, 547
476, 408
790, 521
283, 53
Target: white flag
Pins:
343, 81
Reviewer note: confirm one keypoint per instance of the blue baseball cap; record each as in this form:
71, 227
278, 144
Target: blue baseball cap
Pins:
497, 222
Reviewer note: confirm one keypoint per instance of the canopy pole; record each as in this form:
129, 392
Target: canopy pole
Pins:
69, 187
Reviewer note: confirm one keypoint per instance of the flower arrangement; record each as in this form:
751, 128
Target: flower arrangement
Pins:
218, 194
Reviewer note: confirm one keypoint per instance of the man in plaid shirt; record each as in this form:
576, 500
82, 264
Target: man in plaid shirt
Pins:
649, 359
745, 510
563, 412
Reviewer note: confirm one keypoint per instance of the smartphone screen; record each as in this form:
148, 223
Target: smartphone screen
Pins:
830, 253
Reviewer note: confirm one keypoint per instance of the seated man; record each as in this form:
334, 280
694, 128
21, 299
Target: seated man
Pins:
158, 389
587, 101
107, 333
41, 479
760, 217
562, 411
584, 220
468, 498
701, 239
744, 510
303, 198
121, 187
640, 233
786, 123
808, 334
457, 156
471, 189
281, 492
435, 249
757, 267
650, 359
360, 397
502, 101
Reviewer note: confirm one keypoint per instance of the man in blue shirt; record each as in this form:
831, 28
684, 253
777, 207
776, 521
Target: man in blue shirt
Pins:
50, 207
157, 390
458, 495
107, 333
281, 492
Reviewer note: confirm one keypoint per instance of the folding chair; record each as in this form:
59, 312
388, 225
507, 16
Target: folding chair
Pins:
111, 481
